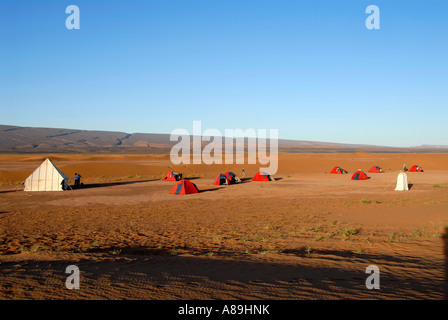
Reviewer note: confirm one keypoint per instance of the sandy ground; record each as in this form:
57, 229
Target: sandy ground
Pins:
308, 235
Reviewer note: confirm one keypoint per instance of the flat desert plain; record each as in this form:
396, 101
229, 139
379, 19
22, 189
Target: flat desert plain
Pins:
308, 235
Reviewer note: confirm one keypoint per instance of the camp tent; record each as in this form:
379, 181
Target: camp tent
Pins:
184, 187
376, 169
47, 177
172, 176
222, 179
402, 182
416, 169
338, 170
262, 176
359, 175
231, 174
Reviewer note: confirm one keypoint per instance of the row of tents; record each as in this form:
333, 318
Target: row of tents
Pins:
47, 177
360, 175
185, 186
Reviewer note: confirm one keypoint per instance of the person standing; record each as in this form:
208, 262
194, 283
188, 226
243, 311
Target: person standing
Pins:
77, 179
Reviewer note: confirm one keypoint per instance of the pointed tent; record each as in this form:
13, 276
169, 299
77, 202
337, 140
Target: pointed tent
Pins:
402, 182
172, 176
359, 175
47, 177
231, 174
184, 187
262, 176
416, 169
222, 179
338, 170
376, 169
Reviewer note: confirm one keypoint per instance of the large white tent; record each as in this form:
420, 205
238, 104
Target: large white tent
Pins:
47, 177
402, 182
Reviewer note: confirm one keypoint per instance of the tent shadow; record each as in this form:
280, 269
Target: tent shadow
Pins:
9, 191
109, 184
410, 185
207, 190
278, 179
191, 178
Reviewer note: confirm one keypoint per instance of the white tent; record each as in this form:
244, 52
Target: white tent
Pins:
46, 178
402, 182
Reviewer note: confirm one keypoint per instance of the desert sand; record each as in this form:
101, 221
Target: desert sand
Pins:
308, 235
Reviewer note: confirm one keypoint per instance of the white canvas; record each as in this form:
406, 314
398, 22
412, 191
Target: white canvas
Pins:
46, 178
402, 182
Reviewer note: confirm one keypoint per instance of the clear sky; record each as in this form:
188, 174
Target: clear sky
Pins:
310, 69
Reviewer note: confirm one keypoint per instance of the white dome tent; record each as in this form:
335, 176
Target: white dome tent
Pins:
47, 177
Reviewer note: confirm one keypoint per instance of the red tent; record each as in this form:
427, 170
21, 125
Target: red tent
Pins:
184, 187
416, 169
172, 176
231, 174
262, 176
338, 170
359, 175
376, 169
222, 179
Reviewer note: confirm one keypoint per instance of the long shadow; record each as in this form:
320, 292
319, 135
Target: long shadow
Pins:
277, 179
9, 191
158, 267
110, 184
192, 178
410, 185
208, 190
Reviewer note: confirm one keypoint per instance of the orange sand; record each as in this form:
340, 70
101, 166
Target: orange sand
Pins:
308, 235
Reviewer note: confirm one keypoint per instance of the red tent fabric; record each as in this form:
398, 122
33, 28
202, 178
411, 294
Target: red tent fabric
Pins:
376, 169
172, 176
338, 170
416, 169
222, 179
359, 175
184, 187
262, 176
231, 174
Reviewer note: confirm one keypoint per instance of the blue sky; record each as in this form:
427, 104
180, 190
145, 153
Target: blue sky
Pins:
310, 69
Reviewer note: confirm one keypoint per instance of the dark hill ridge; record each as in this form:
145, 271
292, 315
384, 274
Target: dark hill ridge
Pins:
15, 139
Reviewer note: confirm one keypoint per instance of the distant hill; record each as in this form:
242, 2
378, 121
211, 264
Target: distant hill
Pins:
15, 139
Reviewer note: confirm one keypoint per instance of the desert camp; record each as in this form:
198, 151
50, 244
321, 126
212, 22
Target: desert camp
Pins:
223, 159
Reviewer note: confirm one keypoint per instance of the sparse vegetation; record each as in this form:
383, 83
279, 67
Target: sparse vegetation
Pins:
416, 233
349, 232
115, 251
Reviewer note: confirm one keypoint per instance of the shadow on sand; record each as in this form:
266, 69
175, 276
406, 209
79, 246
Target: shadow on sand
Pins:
445, 248
233, 270
10, 191
207, 190
110, 184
